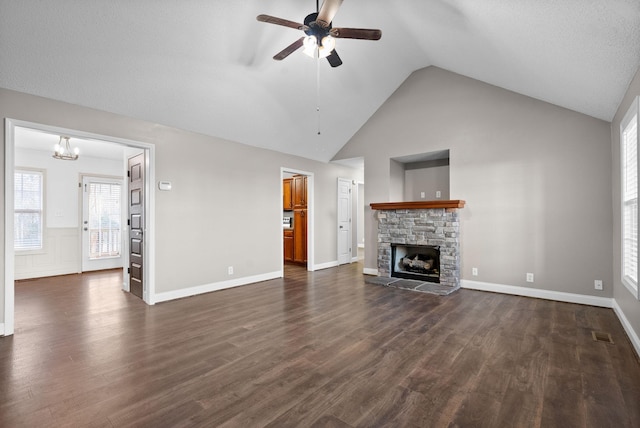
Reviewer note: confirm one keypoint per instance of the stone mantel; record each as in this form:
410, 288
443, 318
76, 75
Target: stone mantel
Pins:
417, 205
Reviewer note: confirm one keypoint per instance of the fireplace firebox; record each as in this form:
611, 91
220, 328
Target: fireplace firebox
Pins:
421, 262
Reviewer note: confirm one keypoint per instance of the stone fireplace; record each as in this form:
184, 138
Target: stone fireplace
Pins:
418, 229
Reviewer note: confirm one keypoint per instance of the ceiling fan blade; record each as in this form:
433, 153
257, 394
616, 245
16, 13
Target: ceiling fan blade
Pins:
334, 59
356, 33
327, 12
289, 49
279, 21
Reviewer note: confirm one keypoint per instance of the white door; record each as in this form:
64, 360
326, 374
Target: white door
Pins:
101, 223
344, 221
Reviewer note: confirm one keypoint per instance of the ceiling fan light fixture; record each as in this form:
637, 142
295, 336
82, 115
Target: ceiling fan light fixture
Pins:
329, 42
328, 45
323, 53
310, 44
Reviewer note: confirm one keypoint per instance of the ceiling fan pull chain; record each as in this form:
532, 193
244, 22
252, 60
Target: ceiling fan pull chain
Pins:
318, 92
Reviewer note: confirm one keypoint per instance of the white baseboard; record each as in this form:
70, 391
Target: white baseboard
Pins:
1, 329
633, 336
326, 265
207, 288
369, 271
583, 299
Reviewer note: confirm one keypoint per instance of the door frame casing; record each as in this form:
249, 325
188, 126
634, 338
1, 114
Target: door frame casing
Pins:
359, 217
7, 326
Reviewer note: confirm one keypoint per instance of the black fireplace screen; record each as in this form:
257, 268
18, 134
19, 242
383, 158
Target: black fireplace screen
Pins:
420, 262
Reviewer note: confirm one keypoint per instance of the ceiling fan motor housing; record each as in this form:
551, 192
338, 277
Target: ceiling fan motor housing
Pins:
314, 29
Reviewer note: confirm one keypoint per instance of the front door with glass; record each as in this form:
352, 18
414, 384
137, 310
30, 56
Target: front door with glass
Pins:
101, 223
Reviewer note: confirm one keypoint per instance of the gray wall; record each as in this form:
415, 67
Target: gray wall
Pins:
396, 180
225, 207
536, 178
629, 305
429, 180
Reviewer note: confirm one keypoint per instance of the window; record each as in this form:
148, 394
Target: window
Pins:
28, 212
629, 167
104, 220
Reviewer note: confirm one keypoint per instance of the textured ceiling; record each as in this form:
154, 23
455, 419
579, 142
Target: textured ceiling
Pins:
206, 66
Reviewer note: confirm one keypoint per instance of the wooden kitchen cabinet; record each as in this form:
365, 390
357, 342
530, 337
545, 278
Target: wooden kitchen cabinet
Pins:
287, 194
288, 245
300, 236
299, 189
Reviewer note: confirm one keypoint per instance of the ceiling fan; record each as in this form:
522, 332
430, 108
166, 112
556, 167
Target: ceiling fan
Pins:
320, 36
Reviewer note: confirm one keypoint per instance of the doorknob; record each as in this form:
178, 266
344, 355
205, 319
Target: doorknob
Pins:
340, 227
85, 229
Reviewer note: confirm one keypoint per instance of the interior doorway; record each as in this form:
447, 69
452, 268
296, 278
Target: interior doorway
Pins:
129, 147
296, 192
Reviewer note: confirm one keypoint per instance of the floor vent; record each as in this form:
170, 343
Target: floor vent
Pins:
599, 336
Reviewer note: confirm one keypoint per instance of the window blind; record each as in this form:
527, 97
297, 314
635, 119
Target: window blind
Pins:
630, 200
28, 189
104, 220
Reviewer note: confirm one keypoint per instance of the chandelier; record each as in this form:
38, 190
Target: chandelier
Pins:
63, 150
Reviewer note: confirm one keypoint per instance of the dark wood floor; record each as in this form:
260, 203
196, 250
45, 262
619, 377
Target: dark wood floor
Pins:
316, 349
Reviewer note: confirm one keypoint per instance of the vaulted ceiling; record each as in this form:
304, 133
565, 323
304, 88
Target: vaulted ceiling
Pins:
207, 67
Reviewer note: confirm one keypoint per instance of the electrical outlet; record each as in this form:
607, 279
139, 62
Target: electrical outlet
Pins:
597, 284
474, 271
230, 270
438, 194
529, 277
422, 195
